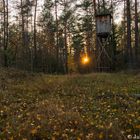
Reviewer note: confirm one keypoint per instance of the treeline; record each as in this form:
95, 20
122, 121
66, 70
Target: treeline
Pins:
53, 37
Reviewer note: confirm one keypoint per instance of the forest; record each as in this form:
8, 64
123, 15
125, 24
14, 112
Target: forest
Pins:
69, 70
57, 36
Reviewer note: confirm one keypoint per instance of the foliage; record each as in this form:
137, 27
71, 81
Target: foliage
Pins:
89, 107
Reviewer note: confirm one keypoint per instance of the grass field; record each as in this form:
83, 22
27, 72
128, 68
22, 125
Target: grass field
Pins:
74, 107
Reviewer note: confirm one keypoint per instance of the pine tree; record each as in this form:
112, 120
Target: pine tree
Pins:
129, 46
136, 31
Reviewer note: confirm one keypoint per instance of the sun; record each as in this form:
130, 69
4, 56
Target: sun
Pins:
85, 60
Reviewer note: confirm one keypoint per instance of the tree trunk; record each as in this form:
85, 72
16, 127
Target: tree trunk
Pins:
7, 24
125, 52
65, 41
7, 31
94, 4
4, 35
113, 38
57, 47
66, 47
35, 43
98, 5
136, 31
23, 36
129, 47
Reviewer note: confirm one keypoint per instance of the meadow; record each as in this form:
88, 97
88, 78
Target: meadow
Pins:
97, 106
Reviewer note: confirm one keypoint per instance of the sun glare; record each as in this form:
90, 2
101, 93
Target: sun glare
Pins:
85, 60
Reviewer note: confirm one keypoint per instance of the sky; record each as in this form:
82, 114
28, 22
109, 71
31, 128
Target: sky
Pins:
12, 3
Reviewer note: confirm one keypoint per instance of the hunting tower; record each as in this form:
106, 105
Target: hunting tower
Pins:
104, 47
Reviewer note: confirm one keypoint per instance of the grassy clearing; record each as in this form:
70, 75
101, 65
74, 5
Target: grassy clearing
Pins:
76, 107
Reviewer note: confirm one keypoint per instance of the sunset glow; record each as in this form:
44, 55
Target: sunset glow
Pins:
85, 60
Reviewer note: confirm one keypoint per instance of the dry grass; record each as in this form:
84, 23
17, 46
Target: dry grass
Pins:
78, 107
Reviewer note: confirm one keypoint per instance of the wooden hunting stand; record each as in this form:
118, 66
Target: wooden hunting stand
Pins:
104, 47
